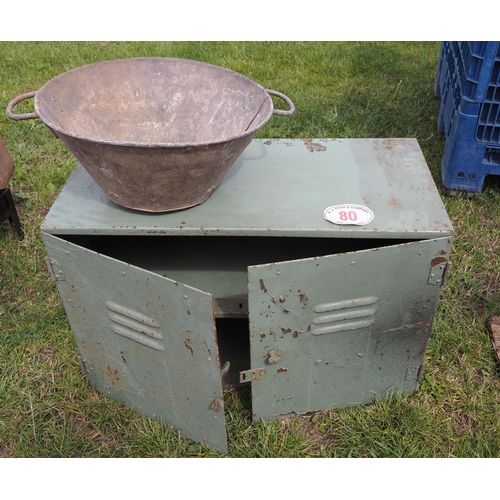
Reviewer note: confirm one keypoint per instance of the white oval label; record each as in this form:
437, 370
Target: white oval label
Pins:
357, 215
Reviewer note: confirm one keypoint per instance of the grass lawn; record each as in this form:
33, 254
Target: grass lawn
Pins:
341, 90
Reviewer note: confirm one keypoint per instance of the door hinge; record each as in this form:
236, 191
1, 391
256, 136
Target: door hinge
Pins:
249, 375
414, 372
439, 271
83, 365
55, 269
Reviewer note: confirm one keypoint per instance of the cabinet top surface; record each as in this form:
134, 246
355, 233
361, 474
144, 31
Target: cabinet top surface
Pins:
281, 187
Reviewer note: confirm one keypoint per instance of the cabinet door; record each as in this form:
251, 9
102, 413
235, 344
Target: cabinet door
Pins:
145, 341
340, 330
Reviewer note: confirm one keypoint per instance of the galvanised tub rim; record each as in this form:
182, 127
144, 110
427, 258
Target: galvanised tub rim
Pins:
42, 115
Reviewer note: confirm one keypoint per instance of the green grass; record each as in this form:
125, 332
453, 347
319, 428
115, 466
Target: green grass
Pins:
47, 408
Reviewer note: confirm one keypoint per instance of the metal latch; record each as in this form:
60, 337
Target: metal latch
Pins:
439, 271
55, 269
249, 375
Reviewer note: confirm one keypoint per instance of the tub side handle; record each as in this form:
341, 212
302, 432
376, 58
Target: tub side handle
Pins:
282, 112
17, 100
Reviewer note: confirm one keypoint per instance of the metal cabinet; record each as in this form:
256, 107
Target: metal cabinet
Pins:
333, 315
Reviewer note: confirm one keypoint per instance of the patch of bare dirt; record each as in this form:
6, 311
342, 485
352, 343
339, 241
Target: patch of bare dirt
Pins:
317, 433
5, 452
494, 326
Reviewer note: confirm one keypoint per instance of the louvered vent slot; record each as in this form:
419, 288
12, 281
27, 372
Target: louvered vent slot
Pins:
135, 326
344, 315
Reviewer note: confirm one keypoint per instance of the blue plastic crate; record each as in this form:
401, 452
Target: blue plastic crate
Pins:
448, 87
466, 162
473, 62
468, 62
468, 82
441, 73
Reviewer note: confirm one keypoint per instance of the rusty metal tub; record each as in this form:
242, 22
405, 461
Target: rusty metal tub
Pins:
156, 134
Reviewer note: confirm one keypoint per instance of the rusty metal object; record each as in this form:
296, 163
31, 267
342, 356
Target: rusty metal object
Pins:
6, 165
156, 134
7, 206
8, 212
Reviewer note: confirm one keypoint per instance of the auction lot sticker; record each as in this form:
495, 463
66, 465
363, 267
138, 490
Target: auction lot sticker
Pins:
345, 215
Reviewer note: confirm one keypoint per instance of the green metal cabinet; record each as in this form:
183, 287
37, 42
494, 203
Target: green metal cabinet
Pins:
255, 286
